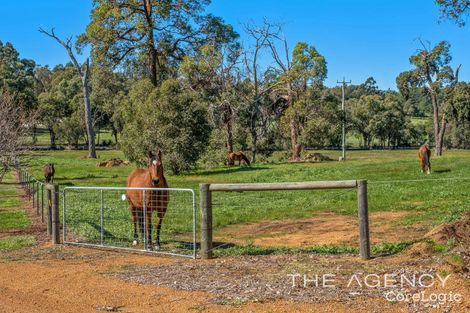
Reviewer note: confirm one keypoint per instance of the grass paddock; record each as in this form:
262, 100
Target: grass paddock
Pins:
395, 183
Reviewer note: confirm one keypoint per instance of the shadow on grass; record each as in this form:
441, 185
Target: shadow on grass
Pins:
445, 170
230, 170
225, 249
80, 178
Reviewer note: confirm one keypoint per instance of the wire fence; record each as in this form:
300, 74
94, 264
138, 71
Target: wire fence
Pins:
102, 217
9, 198
399, 211
34, 191
294, 218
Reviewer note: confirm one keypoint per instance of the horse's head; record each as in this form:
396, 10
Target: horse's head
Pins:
155, 167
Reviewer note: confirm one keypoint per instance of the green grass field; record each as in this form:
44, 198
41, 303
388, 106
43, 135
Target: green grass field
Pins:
395, 183
11, 216
16, 242
43, 138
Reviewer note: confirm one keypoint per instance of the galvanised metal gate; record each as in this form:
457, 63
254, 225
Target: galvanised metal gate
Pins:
101, 217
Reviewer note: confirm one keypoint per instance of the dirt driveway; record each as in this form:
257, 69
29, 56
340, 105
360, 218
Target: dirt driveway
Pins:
69, 279
47, 278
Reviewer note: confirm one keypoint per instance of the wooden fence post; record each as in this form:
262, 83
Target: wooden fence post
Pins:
206, 221
362, 204
55, 215
49, 209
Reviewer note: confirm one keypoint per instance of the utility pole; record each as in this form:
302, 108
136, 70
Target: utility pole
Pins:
344, 83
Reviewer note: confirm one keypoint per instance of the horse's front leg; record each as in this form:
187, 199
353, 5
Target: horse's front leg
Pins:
159, 226
149, 230
134, 221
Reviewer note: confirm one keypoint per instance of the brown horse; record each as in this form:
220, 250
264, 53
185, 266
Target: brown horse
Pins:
155, 200
49, 172
237, 156
424, 154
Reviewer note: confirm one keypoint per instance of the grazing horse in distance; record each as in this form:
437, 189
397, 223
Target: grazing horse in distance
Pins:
424, 154
155, 200
237, 156
49, 172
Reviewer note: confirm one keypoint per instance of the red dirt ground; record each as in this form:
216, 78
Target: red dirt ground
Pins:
47, 278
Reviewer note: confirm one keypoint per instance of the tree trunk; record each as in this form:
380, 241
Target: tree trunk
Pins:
229, 136
52, 138
86, 100
438, 140
441, 134
254, 142
254, 133
151, 42
227, 118
115, 134
35, 139
296, 148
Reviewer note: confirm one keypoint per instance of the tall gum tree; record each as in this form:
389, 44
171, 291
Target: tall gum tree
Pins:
296, 73
433, 73
84, 73
154, 33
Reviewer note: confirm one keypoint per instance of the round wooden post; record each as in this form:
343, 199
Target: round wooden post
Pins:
206, 221
55, 215
362, 204
32, 194
37, 197
49, 208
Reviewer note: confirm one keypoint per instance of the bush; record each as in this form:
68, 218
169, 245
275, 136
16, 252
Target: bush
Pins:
216, 153
167, 118
71, 130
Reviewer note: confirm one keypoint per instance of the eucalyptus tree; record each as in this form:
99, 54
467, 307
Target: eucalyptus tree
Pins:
456, 10
433, 73
458, 100
259, 35
155, 33
295, 73
59, 98
363, 110
214, 74
108, 90
84, 74
17, 76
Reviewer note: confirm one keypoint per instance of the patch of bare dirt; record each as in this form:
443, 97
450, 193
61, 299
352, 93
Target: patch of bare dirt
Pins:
266, 279
325, 228
459, 230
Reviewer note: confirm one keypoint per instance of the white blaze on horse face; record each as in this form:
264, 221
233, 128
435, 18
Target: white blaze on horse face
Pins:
154, 162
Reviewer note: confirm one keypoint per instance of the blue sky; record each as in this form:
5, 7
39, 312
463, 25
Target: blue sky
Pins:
359, 38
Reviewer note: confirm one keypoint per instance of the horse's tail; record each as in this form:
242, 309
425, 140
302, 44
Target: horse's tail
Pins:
245, 159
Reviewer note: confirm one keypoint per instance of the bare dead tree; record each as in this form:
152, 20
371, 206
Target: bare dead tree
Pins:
14, 126
84, 73
285, 90
260, 38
